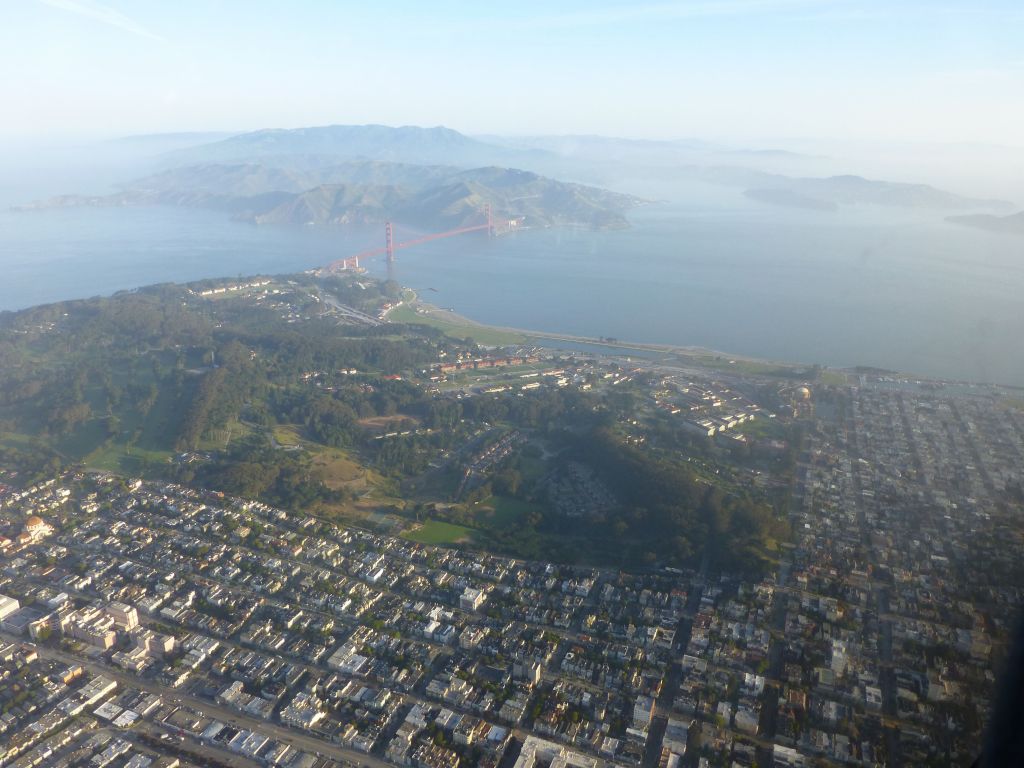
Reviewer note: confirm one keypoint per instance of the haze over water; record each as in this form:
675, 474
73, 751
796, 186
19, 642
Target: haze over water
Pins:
864, 286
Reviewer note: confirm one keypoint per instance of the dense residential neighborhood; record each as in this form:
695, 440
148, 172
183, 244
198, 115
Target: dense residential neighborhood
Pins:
146, 623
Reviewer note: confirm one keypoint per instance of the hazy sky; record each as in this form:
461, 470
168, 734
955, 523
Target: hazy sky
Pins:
944, 70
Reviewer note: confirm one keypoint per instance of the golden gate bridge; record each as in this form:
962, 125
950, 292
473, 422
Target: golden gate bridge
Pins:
391, 245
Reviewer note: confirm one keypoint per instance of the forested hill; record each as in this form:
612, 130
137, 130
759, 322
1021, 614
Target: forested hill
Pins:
298, 391
363, 192
168, 369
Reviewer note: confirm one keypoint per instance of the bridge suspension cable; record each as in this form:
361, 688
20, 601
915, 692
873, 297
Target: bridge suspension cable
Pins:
390, 246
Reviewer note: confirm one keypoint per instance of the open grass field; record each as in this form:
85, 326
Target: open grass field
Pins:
440, 533
338, 468
764, 428
87, 446
384, 423
16, 440
219, 439
82, 441
287, 435
116, 458
832, 378
750, 367
498, 525
481, 334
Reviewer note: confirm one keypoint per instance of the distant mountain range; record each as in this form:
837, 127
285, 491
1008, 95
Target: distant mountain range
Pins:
1014, 224
334, 143
435, 177
363, 192
831, 192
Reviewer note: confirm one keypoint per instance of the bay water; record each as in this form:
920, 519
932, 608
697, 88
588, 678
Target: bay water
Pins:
890, 288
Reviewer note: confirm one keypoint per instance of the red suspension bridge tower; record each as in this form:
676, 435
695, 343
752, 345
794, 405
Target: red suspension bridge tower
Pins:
390, 245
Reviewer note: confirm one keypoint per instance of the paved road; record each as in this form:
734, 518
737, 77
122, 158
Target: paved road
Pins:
674, 678
230, 716
769, 720
887, 678
350, 312
190, 746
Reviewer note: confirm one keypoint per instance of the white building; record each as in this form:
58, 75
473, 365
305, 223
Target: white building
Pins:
154, 643
8, 605
540, 752
471, 599
643, 711
125, 616
304, 711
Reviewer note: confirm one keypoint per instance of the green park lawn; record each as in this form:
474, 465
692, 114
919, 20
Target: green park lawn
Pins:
481, 334
439, 533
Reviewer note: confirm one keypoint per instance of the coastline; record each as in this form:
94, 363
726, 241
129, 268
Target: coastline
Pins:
698, 355
701, 357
